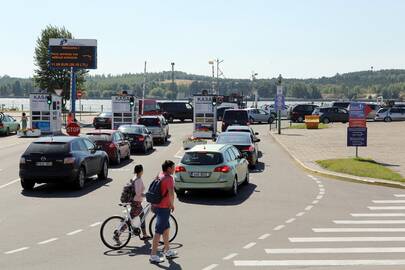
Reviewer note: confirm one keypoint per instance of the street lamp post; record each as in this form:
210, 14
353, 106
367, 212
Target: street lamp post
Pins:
253, 88
211, 62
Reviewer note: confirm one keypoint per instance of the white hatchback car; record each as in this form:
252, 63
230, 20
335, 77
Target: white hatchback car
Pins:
390, 114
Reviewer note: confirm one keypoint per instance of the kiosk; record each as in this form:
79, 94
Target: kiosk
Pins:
45, 112
205, 116
124, 110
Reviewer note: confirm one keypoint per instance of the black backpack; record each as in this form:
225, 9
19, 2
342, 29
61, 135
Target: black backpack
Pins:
154, 194
128, 192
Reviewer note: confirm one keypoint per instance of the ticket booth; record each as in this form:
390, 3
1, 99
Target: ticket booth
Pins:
46, 113
124, 110
205, 116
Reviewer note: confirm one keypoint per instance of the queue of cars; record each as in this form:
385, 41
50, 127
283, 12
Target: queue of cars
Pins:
8, 124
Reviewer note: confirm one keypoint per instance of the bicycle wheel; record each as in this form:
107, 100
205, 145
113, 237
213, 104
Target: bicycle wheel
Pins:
115, 233
173, 227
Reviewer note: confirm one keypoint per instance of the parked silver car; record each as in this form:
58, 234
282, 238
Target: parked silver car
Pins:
259, 116
158, 125
390, 114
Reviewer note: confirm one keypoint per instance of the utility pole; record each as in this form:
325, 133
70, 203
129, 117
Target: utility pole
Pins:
253, 88
211, 62
172, 73
218, 71
144, 88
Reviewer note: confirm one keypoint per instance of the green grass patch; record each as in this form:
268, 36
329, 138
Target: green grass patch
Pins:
361, 167
303, 126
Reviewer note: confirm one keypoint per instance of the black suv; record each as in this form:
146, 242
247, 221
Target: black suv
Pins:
235, 117
298, 112
172, 110
332, 114
62, 159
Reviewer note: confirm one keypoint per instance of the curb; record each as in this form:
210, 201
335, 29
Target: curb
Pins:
340, 176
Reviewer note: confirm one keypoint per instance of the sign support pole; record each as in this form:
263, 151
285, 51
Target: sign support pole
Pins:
73, 92
279, 121
357, 152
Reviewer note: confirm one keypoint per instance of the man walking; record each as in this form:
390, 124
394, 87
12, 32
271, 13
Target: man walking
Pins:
162, 211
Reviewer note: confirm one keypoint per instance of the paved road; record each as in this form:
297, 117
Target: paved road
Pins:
284, 219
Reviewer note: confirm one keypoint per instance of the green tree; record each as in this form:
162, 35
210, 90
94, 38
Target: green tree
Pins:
51, 79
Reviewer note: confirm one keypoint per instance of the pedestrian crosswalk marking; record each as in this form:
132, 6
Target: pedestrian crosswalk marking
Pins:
318, 262
336, 250
345, 239
321, 230
378, 215
399, 221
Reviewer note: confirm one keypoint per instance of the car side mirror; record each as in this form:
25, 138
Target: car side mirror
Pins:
257, 140
256, 133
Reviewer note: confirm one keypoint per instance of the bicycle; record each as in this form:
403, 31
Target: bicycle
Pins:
122, 228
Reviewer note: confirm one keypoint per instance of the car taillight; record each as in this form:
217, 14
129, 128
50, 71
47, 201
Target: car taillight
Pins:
111, 145
222, 169
248, 148
179, 169
109, 120
141, 138
22, 160
69, 160
1, 125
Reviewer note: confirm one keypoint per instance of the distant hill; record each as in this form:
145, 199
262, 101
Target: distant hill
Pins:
361, 84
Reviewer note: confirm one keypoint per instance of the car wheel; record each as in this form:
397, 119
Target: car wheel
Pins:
118, 158
300, 119
387, 119
251, 120
182, 119
326, 120
104, 171
128, 157
180, 192
27, 184
145, 148
18, 128
234, 190
80, 179
7, 131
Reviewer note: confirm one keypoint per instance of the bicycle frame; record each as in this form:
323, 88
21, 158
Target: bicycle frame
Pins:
128, 219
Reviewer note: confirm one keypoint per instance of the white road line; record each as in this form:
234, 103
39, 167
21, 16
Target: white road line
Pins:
230, 256
95, 224
252, 244
279, 227
319, 197
120, 170
9, 183
320, 186
74, 232
345, 239
309, 207
15, 250
336, 250
300, 214
264, 236
389, 201
378, 215
290, 220
322, 190
386, 207
47, 241
210, 267
358, 229
369, 221
399, 195
315, 202
319, 263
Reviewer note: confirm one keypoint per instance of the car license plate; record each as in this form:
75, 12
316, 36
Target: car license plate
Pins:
199, 174
44, 164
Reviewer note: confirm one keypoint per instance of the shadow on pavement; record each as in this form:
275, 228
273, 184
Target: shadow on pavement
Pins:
123, 163
141, 153
162, 144
63, 190
217, 197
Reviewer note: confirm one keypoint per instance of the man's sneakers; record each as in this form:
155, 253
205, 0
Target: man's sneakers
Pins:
170, 254
156, 259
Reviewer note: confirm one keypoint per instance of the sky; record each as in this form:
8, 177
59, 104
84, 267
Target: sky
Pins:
298, 39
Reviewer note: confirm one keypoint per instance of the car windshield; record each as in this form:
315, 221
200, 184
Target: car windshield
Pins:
48, 148
201, 158
234, 139
99, 137
382, 110
149, 122
105, 114
131, 130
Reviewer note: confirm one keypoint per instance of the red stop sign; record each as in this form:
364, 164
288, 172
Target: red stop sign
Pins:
73, 129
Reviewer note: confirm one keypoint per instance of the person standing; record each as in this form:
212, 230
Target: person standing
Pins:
162, 211
24, 121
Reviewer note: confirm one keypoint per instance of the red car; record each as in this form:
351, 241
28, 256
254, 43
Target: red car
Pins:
112, 142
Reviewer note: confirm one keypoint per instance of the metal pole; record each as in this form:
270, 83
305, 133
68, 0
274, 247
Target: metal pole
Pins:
172, 73
213, 79
279, 121
73, 92
144, 88
81, 108
357, 152
217, 91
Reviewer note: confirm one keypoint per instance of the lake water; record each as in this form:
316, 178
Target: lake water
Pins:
94, 105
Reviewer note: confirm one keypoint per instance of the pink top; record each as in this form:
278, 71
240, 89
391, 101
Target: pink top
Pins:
139, 190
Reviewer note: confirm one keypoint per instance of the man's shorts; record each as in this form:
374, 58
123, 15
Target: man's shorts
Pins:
162, 220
